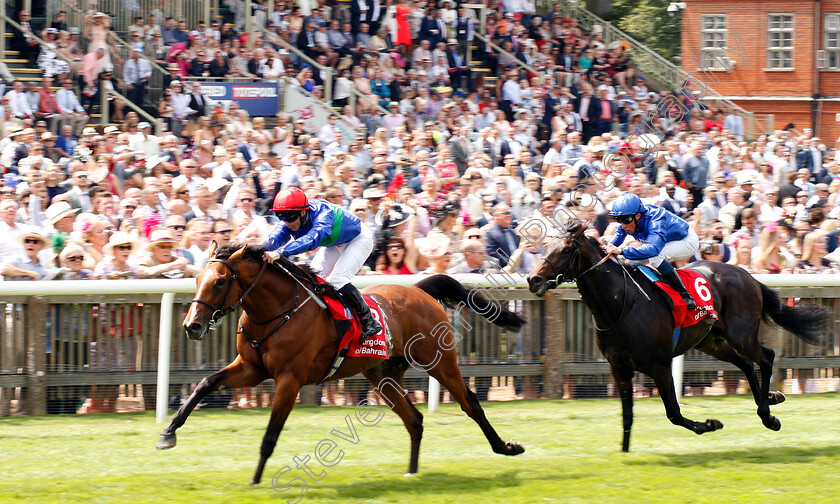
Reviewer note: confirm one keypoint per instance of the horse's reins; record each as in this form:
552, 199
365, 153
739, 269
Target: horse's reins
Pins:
560, 278
218, 312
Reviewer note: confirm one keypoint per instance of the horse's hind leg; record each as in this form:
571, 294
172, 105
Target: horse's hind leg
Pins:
665, 382
763, 399
449, 375
288, 387
236, 374
387, 380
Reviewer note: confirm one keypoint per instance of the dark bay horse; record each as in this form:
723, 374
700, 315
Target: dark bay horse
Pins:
283, 337
637, 333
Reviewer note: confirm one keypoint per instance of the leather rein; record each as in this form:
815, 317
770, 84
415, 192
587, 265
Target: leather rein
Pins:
219, 312
560, 278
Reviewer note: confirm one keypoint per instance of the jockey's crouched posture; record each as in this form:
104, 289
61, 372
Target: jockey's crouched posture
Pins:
664, 236
345, 245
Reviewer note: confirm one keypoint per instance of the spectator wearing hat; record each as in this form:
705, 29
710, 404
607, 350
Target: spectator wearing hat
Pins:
60, 216
26, 266
118, 251
71, 262
9, 228
161, 262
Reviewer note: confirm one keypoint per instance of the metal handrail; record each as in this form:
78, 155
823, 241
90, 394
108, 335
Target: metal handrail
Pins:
519, 62
299, 53
38, 39
104, 111
356, 95
660, 67
321, 103
68, 6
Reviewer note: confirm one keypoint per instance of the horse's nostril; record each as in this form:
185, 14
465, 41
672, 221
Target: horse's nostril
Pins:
195, 327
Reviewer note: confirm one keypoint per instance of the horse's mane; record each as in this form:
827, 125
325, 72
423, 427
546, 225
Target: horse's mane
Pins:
255, 253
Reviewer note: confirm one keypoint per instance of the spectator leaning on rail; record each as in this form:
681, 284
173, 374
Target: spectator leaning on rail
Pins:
664, 237
345, 244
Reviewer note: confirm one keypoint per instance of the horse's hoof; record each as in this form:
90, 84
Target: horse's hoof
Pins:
776, 398
714, 424
409, 475
773, 423
253, 482
513, 448
166, 441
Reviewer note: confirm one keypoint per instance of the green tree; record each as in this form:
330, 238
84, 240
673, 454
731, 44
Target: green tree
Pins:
648, 22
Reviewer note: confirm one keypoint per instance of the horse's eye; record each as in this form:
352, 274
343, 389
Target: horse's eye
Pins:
220, 282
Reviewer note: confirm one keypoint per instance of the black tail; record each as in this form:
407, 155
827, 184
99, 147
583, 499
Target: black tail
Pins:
808, 321
448, 291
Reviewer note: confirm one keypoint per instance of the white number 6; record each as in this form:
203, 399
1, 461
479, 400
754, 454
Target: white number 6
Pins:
701, 286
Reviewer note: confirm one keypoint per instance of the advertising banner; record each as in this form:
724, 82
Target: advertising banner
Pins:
256, 98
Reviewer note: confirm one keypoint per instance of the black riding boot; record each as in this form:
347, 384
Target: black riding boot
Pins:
353, 298
676, 283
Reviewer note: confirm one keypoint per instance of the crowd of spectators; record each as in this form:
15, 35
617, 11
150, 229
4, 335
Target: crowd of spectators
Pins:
449, 178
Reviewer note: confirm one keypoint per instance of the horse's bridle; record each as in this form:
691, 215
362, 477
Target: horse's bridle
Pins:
218, 311
560, 278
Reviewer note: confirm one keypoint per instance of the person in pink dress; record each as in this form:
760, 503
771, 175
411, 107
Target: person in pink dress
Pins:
403, 28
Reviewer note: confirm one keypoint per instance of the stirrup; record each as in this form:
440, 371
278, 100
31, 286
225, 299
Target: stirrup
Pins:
690, 303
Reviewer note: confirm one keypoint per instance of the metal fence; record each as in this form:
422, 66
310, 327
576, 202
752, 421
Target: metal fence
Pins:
56, 350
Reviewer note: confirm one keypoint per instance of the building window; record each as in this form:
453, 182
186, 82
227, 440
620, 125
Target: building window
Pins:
780, 41
713, 41
832, 41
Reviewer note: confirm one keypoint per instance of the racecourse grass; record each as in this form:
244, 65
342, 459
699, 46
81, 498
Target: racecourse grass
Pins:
573, 455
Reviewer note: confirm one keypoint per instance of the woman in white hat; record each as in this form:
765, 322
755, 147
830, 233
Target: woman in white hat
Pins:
26, 266
96, 30
162, 263
436, 248
116, 265
71, 262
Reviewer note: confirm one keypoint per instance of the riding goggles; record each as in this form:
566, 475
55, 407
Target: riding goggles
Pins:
288, 215
624, 219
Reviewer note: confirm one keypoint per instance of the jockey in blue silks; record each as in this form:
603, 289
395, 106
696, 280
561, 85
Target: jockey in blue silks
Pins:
663, 235
345, 245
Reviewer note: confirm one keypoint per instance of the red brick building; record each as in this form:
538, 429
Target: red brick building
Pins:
780, 57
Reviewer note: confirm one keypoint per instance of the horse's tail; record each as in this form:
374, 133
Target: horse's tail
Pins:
808, 321
449, 291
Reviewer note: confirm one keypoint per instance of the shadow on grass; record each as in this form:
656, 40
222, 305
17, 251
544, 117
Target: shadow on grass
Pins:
773, 455
424, 483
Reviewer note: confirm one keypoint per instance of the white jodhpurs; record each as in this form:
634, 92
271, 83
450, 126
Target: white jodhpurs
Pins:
338, 264
675, 250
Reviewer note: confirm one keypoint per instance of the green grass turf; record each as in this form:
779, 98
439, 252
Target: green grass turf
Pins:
573, 455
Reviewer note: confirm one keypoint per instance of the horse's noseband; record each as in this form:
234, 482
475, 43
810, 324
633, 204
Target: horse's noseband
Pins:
219, 312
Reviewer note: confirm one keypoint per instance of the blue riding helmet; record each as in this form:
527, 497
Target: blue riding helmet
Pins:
627, 204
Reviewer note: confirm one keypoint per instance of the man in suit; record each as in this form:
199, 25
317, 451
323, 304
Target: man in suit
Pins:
359, 13
605, 114
306, 41
458, 67
589, 109
198, 102
502, 240
430, 28
695, 172
23, 41
461, 149
811, 158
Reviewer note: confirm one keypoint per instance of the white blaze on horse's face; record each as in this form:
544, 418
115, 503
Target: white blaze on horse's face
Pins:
211, 288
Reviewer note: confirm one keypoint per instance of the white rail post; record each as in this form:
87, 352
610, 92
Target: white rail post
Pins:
164, 347
677, 373
434, 394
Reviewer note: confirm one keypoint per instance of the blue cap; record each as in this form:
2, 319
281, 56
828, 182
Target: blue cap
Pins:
627, 204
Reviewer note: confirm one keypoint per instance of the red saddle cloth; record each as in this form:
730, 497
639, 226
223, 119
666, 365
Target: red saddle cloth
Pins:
375, 346
698, 287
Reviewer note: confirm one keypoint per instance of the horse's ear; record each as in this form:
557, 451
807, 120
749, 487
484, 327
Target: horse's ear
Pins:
213, 247
237, 255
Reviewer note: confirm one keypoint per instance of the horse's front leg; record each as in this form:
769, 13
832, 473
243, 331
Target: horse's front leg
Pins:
236, 374
665, 382
624, 381
288, 387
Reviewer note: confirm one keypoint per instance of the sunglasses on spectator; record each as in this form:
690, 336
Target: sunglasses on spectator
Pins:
624, 219
7, 192
397, 246
178, 227
123, 247
503, 213
31, 241
290, 216
130, 207
224, 231
75, 258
